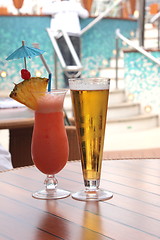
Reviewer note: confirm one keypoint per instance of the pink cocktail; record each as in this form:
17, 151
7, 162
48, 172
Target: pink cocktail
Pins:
49, 142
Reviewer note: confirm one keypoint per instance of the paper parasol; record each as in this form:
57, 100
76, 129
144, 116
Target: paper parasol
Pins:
24, 52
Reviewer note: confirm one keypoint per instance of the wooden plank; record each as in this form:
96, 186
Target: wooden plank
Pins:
112, 215
32, 217
117, 187
74, 178
54, 223
136, 166
11, 228
102, 225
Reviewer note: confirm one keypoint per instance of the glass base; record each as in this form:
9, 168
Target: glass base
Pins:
94, 195
51, 194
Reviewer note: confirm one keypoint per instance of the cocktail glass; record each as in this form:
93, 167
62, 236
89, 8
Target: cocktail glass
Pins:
49, 146
90, 104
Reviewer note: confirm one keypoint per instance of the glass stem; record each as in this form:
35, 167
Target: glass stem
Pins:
91, 185
50, 183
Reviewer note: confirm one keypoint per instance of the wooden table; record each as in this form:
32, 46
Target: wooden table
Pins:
132, 214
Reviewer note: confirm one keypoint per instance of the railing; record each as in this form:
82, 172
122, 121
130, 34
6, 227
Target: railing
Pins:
58, 53
76, 68
78, 65
102, 15
155, 18
138, 48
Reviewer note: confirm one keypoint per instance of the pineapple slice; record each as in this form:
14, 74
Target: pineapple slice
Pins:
28, 91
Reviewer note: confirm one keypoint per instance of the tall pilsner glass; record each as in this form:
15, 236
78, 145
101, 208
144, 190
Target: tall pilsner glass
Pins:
90, 104
49, 142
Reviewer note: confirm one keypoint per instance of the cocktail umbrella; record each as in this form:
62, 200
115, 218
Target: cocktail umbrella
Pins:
24, 52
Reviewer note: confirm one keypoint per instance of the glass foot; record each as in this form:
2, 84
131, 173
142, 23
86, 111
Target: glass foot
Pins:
95, 195
51, 194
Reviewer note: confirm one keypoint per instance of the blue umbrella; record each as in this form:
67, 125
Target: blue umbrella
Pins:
24, 52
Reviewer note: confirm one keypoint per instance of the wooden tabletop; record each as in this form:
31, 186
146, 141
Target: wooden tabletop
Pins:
132, 214
16, 118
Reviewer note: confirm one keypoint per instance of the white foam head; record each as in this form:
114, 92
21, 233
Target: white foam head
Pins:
89, 84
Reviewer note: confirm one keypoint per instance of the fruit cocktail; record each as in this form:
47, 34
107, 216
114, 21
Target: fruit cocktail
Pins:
49, 142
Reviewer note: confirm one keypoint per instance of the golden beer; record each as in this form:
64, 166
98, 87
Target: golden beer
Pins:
90, 109
90, 103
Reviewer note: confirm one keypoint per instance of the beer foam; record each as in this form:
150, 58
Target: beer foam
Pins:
89, 84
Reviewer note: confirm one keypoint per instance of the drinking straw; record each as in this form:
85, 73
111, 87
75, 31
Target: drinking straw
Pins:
49, 83
36, 45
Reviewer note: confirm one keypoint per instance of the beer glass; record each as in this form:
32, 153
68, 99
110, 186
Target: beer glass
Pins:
90, 104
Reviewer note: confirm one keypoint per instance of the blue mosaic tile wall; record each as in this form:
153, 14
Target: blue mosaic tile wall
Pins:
15, 29
97, 45
142, 79
99, 42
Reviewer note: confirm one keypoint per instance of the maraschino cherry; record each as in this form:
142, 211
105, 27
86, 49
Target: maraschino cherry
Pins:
25, 74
